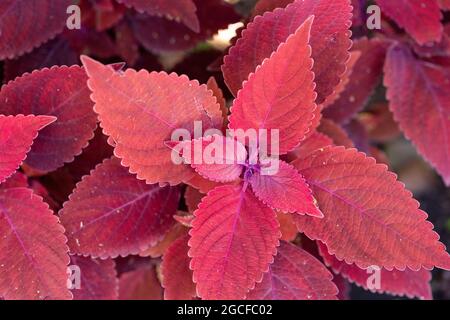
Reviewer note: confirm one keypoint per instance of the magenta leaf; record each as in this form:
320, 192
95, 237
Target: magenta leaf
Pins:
216, 158
286, 191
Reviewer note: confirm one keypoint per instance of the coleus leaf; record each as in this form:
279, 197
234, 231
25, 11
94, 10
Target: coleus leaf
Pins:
33, 251
418, 87
140, 284
354, 57
334, 131
192, 198
178, 10
111, 213
55, 52
169, 35
24, 27
370, 218
233, 241
218, 93
59, 92
329, 41
287, 226
262, 6
404, 283
177, 231
280, 94
216, 157
98, 279
286, 191
16, 137
365, 77
314, 142
153, 104
17, 180
176, 275
295, 275
420, 18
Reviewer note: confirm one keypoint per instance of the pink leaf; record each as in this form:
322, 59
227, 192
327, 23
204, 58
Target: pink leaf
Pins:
280, 94
329, 41
178, 10
420, 88
59, 92
140, 284
111, 213
25, 24
295, 275
16, 137
233, 241
98, 279
444, 4
177, 277
408, 282
33, 251
216, 158
286, 191
420, 18
147, 103
370, 219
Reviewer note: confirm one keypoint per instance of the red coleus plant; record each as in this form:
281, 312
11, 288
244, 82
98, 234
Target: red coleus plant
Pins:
294, 214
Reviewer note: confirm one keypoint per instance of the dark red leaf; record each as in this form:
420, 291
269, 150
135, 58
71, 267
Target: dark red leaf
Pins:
59, 92
179, 10
111, 213
295, 275
404, 283
417, 88
420, 18
120, 106
98, 279
16, 137
25, 24
280, 94
176, 275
